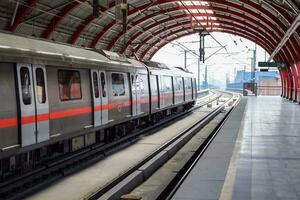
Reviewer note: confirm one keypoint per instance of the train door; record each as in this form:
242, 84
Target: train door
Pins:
133, 94
192, 87
195, 88
161, 92
119, 96
104, 97
33, 101
138, 94
154, 92
100, 102
184, 89
96, 98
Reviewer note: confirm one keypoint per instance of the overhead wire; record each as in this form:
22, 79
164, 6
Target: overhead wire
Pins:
201, 24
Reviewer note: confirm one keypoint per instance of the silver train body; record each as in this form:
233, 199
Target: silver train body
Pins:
57, 98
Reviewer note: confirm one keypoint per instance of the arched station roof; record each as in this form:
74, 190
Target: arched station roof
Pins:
154, 23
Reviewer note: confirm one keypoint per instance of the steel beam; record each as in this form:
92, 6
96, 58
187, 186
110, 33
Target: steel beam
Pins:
49, 11
286, 37
81, 28
228, 4
87, 21
57, 19
219, 17
230, 31
22, 12
249, 37
181, 8
15, 13
290, 52
261, 35
237, 30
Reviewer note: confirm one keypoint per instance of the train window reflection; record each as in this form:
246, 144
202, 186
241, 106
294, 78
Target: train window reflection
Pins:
102, 76
179, 83
188, 83
118, 84
167, 84
153, 80
137, 83
96, 84
40, 85
26, 85
133, 84
69, 85
144, 84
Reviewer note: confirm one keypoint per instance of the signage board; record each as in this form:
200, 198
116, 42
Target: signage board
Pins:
271, 64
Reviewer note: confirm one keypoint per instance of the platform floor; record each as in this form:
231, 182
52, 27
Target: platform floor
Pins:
265, 161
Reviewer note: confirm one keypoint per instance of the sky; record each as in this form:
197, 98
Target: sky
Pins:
237, 56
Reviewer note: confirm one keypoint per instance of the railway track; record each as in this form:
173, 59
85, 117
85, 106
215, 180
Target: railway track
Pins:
21, 186
140, 172
183, 173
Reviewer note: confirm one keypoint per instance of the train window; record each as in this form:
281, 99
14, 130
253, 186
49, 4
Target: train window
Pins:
167, 84
102, 75
40, 85
138, 84
26, 85
143, 84
132, 84
69, 85
179, 83
153, 85
188, 83
96, 84
118, 84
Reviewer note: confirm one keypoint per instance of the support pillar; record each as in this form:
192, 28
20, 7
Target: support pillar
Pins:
285, 82
295, 81
298, 81
282, 82
290, 83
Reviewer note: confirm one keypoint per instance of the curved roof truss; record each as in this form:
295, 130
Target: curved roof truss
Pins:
154, 23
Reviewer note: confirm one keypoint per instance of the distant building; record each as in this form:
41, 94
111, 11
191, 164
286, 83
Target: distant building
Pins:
268, 83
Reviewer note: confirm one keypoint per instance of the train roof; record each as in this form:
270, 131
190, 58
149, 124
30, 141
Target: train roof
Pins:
15, 48
154, 67
25, 49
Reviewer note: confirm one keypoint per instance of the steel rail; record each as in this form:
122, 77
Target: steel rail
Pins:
19, 187
191, 130
180, 177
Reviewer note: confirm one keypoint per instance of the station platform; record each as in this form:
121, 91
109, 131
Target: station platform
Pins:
256, 155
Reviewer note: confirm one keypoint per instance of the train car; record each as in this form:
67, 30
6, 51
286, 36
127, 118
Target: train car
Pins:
173, 87
57, 99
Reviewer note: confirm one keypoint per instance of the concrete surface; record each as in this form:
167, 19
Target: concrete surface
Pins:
206, 179
83, 183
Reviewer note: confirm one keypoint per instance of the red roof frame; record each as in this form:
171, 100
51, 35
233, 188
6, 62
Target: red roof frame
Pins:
269, 27
294, 46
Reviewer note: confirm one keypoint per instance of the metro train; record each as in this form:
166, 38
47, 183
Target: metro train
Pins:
57, 99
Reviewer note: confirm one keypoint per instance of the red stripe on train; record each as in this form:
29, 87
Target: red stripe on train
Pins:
43, 117
28, 120
68, 113
5, 123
